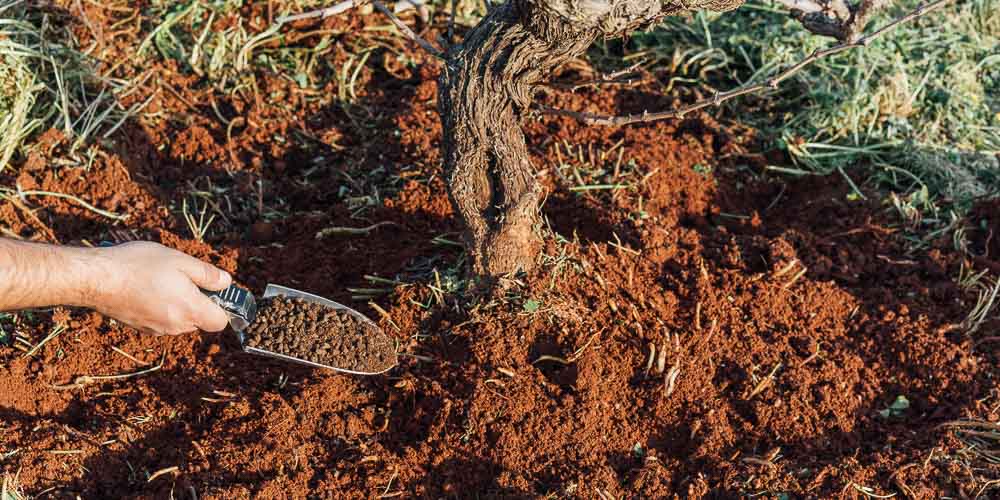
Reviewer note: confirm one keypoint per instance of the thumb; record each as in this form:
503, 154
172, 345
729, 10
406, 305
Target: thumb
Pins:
205, 275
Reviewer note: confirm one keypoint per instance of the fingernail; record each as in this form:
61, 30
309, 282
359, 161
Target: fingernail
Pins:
227, 278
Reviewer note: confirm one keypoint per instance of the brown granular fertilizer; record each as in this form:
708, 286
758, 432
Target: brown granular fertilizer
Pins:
313, 332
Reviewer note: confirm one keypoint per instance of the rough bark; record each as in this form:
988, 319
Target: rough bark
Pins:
485, 92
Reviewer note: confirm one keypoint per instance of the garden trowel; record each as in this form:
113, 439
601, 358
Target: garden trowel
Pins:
241, 306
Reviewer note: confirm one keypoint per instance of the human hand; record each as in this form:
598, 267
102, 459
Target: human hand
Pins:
155, 289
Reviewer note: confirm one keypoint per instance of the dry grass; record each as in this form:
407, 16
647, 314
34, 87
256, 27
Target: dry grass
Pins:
920, 108
10, 489
979, 456
986, 290
47, 81
18, 88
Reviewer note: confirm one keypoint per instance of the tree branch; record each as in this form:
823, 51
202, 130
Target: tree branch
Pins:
834, 18
771, 83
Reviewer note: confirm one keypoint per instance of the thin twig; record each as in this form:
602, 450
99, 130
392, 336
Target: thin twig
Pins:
765, 382
349, 4
85, 380
613, 78
547, 357
670, 379
169, 470
84, 204
573, 87
129, 356
625, 71
353, 231
384, 314
424, 44
31, 215
53, 334
323, 13
771, 83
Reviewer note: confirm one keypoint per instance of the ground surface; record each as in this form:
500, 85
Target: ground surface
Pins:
707, 331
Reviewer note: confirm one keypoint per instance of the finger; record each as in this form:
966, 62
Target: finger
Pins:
208, 316
162, 330
178, 333
146, 330
203, 274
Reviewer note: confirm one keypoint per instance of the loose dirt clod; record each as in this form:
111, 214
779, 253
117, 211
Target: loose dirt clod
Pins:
306, 330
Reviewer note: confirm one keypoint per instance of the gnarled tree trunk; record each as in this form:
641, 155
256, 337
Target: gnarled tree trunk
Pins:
486, 90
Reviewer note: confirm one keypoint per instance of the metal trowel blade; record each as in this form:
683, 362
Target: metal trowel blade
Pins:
281, 291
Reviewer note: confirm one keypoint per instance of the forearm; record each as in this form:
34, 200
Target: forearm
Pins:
39, 275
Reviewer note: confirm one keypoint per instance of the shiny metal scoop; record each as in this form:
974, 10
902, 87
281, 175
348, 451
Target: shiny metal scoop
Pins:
241, 306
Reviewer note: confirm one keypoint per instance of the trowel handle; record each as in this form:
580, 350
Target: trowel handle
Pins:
238, 302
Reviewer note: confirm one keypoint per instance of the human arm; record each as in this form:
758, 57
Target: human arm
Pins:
143, 284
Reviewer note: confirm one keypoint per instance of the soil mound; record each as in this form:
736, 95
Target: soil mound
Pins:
703, 329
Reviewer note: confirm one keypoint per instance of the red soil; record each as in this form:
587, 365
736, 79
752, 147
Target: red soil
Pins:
784, 315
